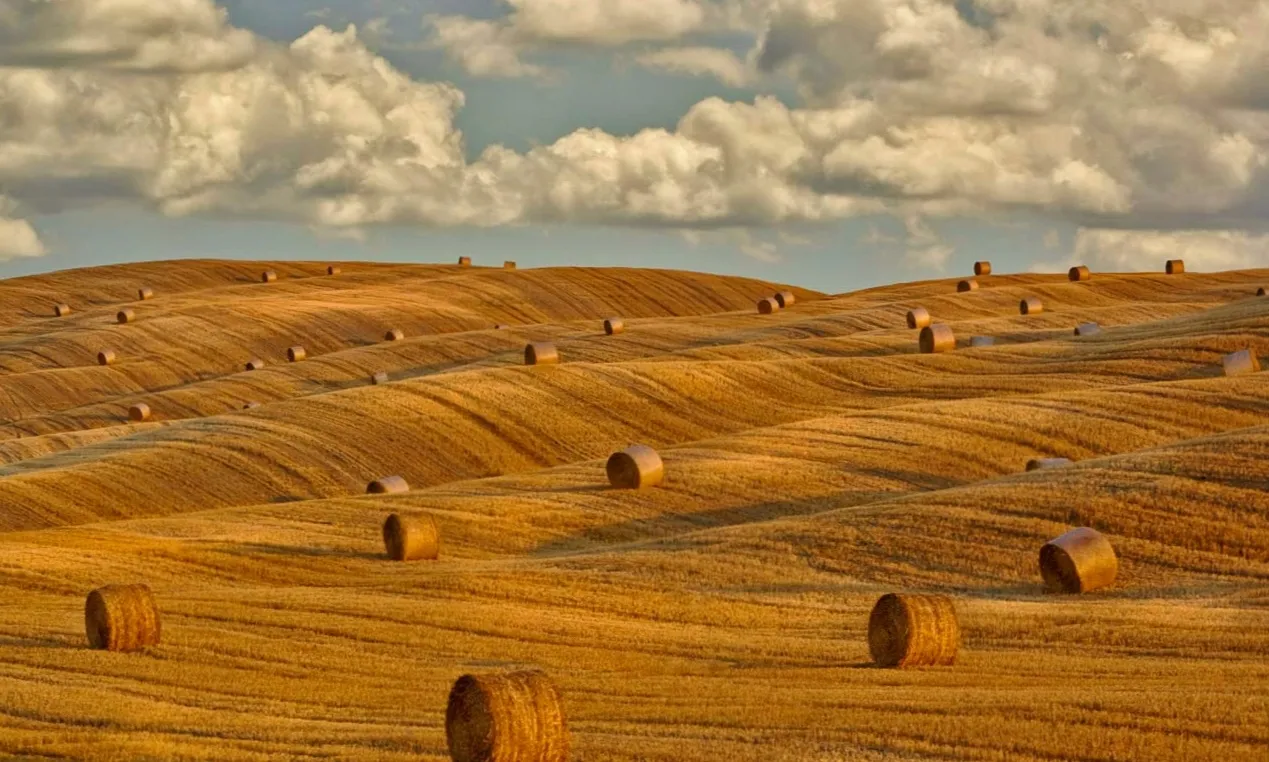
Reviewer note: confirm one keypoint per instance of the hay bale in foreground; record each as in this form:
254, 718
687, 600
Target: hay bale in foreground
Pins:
1030, 306
464, 261
144, 293
966, 285
139, 412
396, 334
1240, 362
125, 316
768, 306
255, 364
982, 268
122, 618
785, 299
937, 338
268, 276
636, 467
918, 317
913, 631
296, 354
614, 326
1035, 464
1079, 561
61, 310
411, 538
1087, 329
106, 357
1079, 272
388, 485
982, 341
508, 265
1174, 266
507, 717
541, 353
333, 270
379, 378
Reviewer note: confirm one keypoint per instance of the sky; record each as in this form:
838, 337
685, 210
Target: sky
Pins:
832, 144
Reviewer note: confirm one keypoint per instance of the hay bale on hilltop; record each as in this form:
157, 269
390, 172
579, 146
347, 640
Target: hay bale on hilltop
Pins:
1174, 266
1240, 362
937, 338
913, 631
61, 310
918, 317
411, 538
139, 413
1078, 561
396, 334
1030, 306
636, 467
379, 378
507, 717
541, 353
1087, 329
106, 357
388, 485
966, 285
785, 299
296, 354
1036, 464
464, 261
255, 364
982, 268
333, 270
614, 326
982, 341
125, 316
1078, 273
122, 618
144, 293
508, 265
268, 276
768, 306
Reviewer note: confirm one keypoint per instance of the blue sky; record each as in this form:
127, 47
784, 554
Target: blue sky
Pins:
1030, 184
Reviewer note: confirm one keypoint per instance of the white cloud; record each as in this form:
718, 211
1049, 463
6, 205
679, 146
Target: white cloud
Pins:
719, 63
1202, 250
482, 48
19, 239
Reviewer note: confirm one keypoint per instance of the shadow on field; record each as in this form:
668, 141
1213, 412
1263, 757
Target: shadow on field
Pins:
274, 549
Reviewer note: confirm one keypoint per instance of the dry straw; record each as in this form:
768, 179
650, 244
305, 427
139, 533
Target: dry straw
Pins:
785, 299
982, 268
1087, 329
411, 538
1031, 306
507, 717
1077, 562
1036, 464
508, 265
296, 354
982, 341
388, 485
61, 310
918, 317
255, 364
122, 618
139, 412
464, 261
937, 338
333, 270
396, 334
913, 631
106, 357
966, 285
636, 467
767, 306
144, 293
614, 326
541, 353
268, 276
1174, 266
125, 316
1240, 362
1079, 272
379, 378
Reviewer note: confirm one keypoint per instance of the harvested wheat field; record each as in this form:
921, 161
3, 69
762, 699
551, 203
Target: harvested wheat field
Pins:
812, 461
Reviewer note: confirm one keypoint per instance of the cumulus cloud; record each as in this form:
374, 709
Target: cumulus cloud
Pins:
1202, 250
18, 239
722, 64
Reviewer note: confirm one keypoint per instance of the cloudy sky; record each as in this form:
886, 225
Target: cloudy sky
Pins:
829, 143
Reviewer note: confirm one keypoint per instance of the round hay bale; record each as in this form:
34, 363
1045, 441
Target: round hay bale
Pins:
333, 270
464, 261
541, 353
614, 326
636, 467
396, 334
918, 317
379, 378
388, 485
61, 310
1260, 291
139, 412
1087, 329
1079, 561
768, 306
1035, 464
982, 341
937, 338
122, 618
501, 327
508, 265
966, 285
1079, 272
507, 717
296, 354
913, 631
982, 268
251, 406
144, 293
1174, 266
268, 276
411, 538
125, 316
1031, 306
1240, 362
106, 357
785, 299
255, 364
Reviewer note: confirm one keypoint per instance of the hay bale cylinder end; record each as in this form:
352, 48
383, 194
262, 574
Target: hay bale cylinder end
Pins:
61, 310
1030, 306
541, 353
1240, 362
106, 357
966, 285
296, 354
396, 334
918, 317
1174, 266
507, 717
768, 306
937, 338
333, 270
388, 485
144, 293
122, 618
614, 326
1087, 329
913, 631
125, 316
1079, 561
255, 364
268, 276
464, 261
785, 299
1078, 273
139, 412
636, 467
411, 538
982, 268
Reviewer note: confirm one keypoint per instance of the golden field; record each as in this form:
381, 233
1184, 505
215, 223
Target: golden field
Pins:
814, 461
